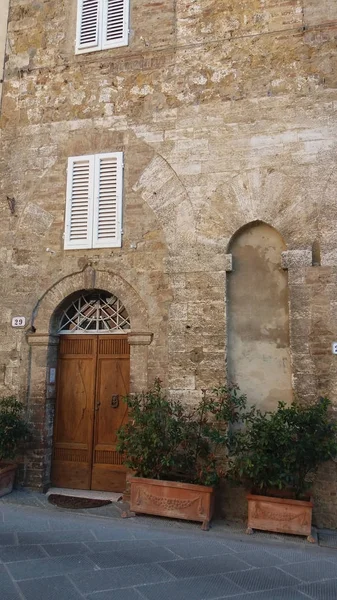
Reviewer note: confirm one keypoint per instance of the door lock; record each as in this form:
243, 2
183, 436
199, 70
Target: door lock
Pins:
98, 404
115, 401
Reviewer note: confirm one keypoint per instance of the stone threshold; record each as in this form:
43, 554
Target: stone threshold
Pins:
88, 494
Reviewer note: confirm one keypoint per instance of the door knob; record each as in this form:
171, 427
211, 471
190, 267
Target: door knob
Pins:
98, 404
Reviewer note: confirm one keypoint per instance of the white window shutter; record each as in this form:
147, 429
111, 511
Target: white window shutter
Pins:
79, 203
107, 224
115, 23
88, 25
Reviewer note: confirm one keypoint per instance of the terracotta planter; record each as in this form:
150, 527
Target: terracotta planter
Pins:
7, 476
280, 515
172, 499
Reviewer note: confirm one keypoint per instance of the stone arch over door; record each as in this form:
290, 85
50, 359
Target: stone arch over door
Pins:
258, 316
88, 279
43, 359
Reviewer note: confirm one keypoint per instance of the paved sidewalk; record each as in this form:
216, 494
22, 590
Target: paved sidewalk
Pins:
51, 554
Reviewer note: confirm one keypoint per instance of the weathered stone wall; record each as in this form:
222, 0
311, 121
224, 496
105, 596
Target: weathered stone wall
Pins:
226, 112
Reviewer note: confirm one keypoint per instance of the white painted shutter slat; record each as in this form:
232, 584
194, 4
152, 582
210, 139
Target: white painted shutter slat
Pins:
115, 23
88, 24
79, 204
108, 200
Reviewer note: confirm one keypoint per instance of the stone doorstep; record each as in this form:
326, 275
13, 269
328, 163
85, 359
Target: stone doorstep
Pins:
88, 494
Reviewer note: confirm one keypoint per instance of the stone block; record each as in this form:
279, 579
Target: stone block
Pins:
314, 13
320, 276
296, 259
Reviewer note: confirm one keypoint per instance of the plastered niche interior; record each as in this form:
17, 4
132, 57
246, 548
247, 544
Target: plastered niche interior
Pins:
258, 317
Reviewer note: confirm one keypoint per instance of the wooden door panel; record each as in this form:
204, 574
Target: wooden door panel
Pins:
72, 475
107, 479
73, 431
92, 372
76, 397
112, 384
112, 378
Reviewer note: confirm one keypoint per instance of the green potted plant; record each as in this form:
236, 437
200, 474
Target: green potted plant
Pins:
277, 453
172, 450
13, 430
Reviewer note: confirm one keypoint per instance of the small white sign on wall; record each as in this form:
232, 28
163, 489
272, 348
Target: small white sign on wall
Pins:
18, 321
52, 375
334, 347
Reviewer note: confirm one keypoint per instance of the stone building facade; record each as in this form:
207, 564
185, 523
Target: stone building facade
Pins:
225, 112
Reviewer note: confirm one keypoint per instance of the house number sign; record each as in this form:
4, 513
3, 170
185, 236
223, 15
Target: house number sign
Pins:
18, 321
334, 348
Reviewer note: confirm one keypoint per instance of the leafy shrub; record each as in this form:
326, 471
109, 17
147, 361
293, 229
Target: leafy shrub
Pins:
282, 449
165, 439
13, 428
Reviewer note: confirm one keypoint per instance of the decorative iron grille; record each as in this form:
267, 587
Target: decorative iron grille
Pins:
95, 313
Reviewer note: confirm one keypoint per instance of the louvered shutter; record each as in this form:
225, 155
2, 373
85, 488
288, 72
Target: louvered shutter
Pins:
115, 23
79, 203
88, 25
107, 224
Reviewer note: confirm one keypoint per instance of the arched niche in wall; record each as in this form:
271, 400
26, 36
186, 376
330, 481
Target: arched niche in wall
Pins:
258, 316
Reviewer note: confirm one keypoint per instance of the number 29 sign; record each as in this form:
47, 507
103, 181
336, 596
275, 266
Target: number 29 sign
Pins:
18, 321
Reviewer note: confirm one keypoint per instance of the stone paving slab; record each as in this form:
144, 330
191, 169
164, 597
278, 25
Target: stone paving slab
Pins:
186, 549
125, 594
109, 534
46, 567
296, 554
312, 571
206, 565
121, 558
265, 578
23, 552
261, 558
48, 553
119, 577
281, 594
49, 588
198, 588
8, 590
54, 537
119, 545
7, 539
25, 498
70, 548
321, 590
328, 538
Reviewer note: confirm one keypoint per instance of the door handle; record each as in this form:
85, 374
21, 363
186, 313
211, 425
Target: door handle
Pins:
115, 401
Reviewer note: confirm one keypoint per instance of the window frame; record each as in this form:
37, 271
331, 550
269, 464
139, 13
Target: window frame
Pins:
102, 22
92, 242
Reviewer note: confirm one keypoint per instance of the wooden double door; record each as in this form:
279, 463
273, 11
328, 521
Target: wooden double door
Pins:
93, 375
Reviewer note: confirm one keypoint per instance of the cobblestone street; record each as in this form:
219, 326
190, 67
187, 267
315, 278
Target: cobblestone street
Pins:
52, 554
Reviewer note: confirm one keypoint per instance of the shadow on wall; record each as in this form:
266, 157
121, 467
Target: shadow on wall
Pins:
258, 316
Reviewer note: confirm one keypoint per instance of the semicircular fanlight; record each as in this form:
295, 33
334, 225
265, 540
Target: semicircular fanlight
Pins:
97, 312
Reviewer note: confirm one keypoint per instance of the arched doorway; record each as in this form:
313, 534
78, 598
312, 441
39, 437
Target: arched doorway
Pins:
93, 375
258, 316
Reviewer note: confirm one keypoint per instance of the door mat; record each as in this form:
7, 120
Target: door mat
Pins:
75, 502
